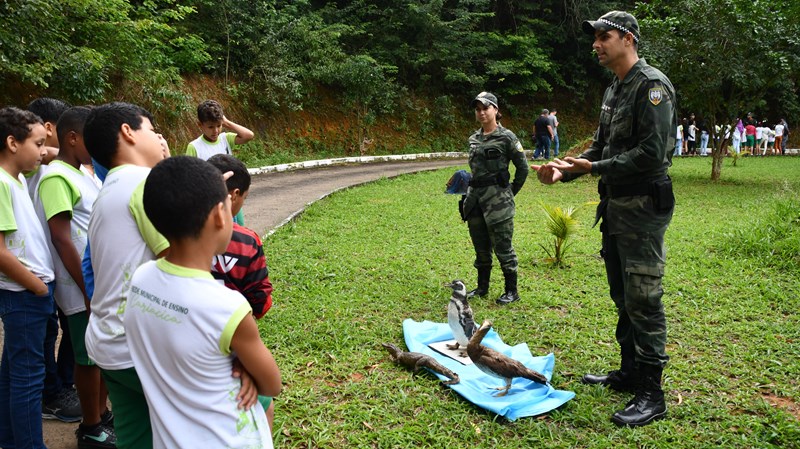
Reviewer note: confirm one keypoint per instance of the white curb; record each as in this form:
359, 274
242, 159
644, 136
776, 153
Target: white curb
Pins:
354, 160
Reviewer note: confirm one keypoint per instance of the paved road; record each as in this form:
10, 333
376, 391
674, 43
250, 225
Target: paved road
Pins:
274, 199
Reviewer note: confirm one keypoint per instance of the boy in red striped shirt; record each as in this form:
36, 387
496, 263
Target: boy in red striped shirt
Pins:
243, 266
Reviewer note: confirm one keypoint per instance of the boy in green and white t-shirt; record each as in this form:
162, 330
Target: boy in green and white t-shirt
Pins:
26, 282
211, 120
186, 329
64, 199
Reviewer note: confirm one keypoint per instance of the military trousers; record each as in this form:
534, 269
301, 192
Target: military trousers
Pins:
492, 238
635, 267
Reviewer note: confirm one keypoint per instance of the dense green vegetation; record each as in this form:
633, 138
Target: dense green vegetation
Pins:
309, 76
374, 51
316, 78
345, 281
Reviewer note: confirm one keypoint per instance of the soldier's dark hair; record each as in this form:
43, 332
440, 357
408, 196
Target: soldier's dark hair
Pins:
17, 123
72, 120
622, 36
209, 111
498, 116
49, 109
241, 177
185, 187
102, 128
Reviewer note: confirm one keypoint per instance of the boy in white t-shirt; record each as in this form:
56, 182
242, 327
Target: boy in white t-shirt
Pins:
186, 329
60, 399
49, 110
120, 136
64, 199
26, 282
211, 120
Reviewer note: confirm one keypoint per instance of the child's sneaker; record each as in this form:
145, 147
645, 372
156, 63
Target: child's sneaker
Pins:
66, 407
107, 418
96, 437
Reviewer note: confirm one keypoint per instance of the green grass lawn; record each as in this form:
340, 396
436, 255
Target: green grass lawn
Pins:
358, 263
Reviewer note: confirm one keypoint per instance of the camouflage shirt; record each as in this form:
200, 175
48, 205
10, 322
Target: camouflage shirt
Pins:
489, 156
634, 144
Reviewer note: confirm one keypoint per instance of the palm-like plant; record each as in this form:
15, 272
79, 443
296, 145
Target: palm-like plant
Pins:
561, 224
735, 156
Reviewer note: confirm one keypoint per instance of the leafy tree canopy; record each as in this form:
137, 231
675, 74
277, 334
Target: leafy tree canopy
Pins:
726, 57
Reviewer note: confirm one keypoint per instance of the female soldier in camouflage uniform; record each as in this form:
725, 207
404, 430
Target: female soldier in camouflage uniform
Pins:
488, 206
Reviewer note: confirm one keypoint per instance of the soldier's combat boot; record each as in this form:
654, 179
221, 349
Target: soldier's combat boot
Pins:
484, 275
624, 379
648, 405
511, 294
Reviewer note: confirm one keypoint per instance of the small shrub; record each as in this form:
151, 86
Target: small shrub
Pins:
561, 224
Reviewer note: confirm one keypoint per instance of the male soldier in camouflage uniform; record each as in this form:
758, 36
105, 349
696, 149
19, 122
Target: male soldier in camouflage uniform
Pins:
631, 153
488, 206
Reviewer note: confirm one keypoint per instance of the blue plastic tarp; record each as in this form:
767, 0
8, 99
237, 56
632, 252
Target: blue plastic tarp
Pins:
525, 398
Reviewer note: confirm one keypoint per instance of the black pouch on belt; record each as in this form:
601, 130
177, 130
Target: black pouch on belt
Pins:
663, 198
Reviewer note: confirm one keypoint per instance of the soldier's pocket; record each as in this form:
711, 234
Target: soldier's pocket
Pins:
494, 159
621, 123
644, 280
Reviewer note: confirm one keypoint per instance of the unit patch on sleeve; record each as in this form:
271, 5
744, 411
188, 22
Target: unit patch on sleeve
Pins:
656, 94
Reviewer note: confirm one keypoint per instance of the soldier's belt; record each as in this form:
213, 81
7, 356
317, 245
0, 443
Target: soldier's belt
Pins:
619, 191
483, 182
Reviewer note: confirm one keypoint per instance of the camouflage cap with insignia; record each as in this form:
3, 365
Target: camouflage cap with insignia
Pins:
614, 20
486, 98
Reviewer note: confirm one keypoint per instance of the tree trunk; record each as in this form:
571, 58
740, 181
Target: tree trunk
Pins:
718, 151
717, 157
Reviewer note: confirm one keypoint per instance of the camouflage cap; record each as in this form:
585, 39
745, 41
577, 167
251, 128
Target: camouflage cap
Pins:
486, 99
614, 20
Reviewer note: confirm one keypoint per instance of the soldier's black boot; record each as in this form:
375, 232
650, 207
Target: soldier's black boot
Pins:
648, 405
484, 274
624, 379
511, 294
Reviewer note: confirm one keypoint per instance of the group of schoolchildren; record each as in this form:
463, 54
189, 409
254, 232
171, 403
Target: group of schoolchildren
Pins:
760, 137
747, 135
158, 283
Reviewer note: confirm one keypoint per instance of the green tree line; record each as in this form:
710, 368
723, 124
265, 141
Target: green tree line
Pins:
372, 52
374, 56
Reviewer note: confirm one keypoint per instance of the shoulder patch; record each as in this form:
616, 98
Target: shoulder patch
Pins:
518, 146
656, 94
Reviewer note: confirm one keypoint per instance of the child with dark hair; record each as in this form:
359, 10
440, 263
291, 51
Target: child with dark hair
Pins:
121, 136
49, 110
186, 328
243, 266
211, 120
64, 200
26, 282
60, 400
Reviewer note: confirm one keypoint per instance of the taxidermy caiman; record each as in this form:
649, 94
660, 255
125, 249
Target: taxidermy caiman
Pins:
417, 360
